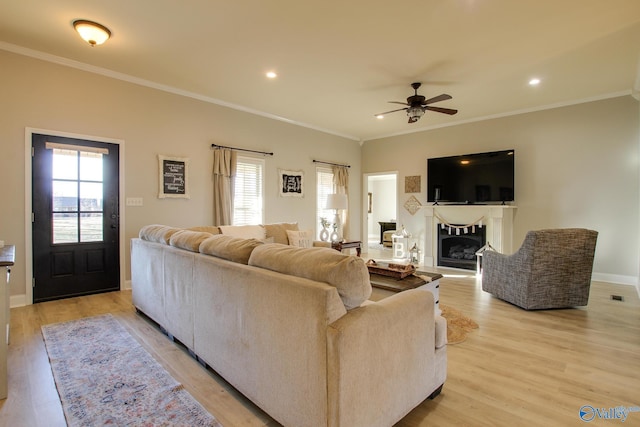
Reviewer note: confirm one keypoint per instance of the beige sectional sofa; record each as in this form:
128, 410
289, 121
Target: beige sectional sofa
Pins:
291, 327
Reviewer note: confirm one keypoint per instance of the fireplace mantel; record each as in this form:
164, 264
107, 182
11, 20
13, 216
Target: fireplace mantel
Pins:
498, 220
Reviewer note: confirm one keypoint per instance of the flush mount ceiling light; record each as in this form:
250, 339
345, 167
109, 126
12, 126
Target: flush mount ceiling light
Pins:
92, 32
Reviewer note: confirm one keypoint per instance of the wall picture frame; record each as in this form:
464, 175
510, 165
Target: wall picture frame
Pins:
291, 183
412, 184
173, 177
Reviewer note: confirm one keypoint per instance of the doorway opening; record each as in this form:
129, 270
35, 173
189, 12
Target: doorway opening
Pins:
380, 210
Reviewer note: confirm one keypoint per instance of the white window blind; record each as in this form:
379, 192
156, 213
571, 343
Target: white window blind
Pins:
324, 178
248, 199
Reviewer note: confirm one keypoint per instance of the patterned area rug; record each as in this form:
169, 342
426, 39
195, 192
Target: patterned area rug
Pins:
458, 325
104, 377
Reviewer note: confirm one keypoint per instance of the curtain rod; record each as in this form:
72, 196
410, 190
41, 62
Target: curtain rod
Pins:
242, 149
332, 164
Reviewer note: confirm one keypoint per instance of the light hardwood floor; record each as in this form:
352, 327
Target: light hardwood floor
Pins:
519, 368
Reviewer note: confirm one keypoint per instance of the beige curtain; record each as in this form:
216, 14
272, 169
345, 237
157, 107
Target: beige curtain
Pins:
341, 184
224, 172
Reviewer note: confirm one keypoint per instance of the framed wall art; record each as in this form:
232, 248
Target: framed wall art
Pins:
173, 177
412, 184
291, 183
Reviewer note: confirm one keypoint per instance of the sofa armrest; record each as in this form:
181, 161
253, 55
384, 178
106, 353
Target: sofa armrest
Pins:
381, 359
321, 244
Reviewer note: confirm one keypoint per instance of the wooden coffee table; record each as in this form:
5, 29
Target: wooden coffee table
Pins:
410, 282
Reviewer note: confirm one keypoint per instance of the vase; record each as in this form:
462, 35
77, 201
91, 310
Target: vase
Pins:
324, 234
334, 236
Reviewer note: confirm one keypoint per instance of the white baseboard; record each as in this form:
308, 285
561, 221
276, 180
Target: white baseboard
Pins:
21, 300
615, 278
18, 300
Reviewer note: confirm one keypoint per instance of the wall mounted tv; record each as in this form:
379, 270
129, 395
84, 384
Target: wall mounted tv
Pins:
472, 178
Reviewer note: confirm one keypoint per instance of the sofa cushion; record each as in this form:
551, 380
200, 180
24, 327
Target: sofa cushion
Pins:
348, 274
213, 229
244, 231
230, 248
279, 231
189, 240
157, 233
301, 239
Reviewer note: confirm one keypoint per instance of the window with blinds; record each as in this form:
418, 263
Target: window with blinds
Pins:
248, 202
324, 178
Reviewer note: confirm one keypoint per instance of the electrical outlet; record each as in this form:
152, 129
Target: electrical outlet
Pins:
134, 201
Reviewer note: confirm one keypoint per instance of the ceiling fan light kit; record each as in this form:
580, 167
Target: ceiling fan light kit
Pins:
416, 105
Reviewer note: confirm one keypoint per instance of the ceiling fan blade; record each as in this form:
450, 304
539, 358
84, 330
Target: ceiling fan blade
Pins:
438, 98
387, 112
441, 110
397, 102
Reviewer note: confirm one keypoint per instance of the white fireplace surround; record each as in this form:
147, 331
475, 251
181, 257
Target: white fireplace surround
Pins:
498, 220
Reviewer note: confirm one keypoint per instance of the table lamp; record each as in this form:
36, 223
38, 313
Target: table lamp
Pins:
337, 202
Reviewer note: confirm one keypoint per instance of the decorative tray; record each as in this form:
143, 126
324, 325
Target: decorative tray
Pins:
397, 271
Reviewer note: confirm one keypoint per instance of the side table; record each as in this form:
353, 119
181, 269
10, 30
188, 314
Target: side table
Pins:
339, 246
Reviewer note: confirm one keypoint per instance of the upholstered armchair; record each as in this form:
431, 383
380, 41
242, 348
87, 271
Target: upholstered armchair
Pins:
552, 269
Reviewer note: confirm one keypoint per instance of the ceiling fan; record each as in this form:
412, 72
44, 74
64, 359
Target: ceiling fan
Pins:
416, 105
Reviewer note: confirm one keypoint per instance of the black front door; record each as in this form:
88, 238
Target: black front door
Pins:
75, 217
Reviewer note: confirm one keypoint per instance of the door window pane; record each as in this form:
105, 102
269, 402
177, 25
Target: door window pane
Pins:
90, 166
91, 227
65, 196
91, 196
65, 164
65, 227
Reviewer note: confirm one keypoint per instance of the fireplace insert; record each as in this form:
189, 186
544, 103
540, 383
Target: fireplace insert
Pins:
459, 250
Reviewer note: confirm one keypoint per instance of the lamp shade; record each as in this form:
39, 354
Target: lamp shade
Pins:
336, 201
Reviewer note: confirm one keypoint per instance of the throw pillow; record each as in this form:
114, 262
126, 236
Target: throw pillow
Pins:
244, 231
279, 231
301, 239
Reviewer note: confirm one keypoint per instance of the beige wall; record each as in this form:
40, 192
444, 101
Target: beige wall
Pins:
576, 166
43, 95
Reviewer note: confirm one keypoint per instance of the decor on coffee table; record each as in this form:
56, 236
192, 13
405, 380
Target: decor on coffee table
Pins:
104, 377
396, 271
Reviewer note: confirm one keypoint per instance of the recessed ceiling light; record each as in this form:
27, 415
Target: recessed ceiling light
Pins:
271, 74
534, 82
380, 116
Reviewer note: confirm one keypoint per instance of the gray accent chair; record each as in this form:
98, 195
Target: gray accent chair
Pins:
552, 269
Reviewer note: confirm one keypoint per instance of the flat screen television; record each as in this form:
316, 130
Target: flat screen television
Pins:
480, 178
